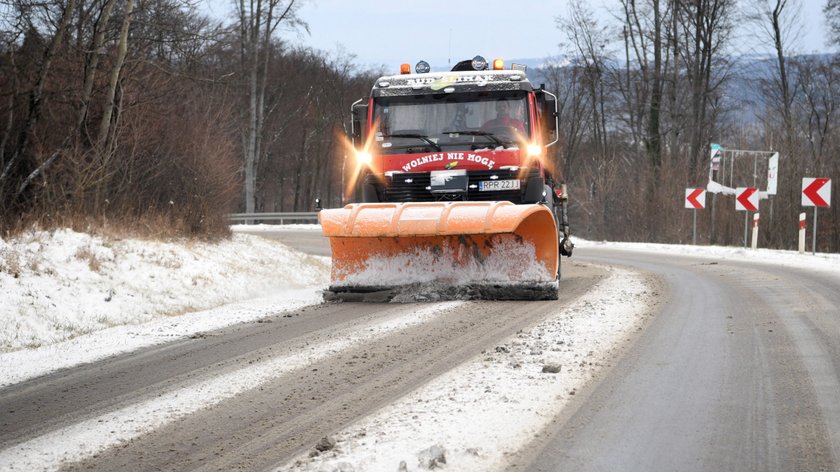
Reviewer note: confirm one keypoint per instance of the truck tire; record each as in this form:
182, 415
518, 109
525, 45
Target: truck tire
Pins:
534, 190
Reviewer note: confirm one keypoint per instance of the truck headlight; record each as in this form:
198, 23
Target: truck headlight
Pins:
364, 158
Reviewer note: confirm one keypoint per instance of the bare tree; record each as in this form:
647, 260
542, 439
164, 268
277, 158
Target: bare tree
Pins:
105, 140
589, 41
92, 62
645, 33
778, 22
36, 95
706, 25
258, 21
831, 10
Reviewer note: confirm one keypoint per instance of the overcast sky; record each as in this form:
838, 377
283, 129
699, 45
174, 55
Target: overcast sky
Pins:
393, 31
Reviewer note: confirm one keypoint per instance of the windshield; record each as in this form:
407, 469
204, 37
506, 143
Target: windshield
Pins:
451, 122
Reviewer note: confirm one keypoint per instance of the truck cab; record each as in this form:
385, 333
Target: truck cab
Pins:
476, 133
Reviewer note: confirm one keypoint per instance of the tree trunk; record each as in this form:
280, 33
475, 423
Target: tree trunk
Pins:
783, 79
37, 93
108, 108
10, 120
654, 145
92, 64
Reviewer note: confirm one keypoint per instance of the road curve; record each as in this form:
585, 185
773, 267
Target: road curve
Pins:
739, 371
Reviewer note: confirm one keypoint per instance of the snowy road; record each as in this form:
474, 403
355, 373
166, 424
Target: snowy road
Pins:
301, 238
284, 416
740, 371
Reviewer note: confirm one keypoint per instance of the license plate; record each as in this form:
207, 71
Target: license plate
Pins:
489, 185
448, 181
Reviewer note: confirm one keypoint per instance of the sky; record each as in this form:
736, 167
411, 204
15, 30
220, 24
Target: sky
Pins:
388, 32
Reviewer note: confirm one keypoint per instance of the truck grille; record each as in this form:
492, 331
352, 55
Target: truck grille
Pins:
413, 186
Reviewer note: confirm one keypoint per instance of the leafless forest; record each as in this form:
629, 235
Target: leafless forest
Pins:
144, 114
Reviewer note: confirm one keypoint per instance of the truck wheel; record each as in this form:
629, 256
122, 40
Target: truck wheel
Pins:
534, 190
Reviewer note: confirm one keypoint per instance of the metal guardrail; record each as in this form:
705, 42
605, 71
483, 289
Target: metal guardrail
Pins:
284, 217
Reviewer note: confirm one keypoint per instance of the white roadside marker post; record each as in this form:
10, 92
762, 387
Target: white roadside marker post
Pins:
802, 224
746, 227
694, 229
755, 231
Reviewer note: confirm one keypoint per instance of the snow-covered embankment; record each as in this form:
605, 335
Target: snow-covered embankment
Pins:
70, 297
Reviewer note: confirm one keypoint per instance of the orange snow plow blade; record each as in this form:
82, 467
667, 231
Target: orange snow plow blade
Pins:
494, 250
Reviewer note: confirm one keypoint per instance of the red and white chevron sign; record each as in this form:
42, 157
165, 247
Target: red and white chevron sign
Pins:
816, 192
695, 198
746, 199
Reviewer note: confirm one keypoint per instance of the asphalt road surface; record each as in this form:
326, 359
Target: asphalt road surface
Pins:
739, 371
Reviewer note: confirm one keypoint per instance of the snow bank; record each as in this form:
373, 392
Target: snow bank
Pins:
58, 285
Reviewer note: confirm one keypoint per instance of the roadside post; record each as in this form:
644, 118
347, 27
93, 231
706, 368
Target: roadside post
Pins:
802, 225
695, 199
755, 231
746, 200
816, 192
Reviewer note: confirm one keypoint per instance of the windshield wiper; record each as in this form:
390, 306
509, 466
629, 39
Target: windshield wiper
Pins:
417, 136
493, 137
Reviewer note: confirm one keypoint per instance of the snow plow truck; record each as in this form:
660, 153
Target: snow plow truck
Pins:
454, 189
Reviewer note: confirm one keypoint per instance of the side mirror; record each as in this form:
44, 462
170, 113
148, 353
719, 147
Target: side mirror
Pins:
358, 122
547, 104
551, 116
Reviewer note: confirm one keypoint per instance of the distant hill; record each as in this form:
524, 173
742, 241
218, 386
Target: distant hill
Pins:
743, 90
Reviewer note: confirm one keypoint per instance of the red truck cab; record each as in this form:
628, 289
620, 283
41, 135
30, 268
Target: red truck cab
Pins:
466, 134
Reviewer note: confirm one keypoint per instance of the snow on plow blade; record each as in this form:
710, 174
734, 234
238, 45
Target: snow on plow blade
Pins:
437, 250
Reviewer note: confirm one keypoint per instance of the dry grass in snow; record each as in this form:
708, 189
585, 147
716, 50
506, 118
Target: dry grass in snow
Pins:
60, 284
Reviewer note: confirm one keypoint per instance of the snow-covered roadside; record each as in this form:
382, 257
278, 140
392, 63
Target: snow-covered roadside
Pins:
476, 415
68, 297
824, 262
821, 261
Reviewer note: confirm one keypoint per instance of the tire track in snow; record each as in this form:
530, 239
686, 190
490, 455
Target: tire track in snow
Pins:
86, 438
